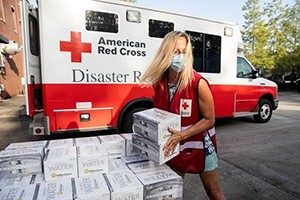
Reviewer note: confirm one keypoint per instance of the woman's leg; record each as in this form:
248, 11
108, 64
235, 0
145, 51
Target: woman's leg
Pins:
212, 185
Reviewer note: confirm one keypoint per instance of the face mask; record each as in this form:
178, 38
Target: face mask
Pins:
178, 61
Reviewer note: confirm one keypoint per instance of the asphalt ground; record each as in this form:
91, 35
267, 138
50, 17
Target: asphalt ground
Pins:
256, 161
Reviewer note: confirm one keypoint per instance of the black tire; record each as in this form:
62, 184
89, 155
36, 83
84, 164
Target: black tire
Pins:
264, 112
127, 120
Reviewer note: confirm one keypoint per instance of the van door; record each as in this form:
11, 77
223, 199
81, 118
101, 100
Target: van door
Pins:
248, 88
31, 55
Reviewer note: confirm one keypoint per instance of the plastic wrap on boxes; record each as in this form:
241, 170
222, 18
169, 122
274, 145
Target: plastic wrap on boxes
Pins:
115, 145
55, 190
87, 141
91, 188
30, 144
152, 150
153, 124
124, 185
161, 184
134, 159
128, 144
18, 192
92, 159
19, 162
60, 163
146, 166
116, 165
21, 180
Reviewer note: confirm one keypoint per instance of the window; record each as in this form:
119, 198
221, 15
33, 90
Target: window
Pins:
159, 29
101, 21
244, 70
33, 35
206, 52
14, 18
2, 16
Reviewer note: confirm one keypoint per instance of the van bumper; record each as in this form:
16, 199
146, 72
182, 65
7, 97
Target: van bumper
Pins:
276, 102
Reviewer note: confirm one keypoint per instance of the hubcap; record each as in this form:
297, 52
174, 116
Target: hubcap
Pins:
265, 111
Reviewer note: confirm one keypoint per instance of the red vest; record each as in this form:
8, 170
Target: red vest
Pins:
185, 103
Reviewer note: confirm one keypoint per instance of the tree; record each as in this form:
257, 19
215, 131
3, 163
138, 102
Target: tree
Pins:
255, 36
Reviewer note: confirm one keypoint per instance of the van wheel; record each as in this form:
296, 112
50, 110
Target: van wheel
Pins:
264, 112
126, 123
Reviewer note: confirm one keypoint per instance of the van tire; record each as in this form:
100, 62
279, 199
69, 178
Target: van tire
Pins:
126, 123
264, 112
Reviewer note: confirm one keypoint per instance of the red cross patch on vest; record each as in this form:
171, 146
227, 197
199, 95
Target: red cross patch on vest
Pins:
185, 107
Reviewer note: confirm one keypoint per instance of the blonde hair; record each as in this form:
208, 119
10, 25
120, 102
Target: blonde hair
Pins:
163, 58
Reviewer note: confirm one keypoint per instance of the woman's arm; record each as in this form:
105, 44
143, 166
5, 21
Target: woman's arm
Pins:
206, 106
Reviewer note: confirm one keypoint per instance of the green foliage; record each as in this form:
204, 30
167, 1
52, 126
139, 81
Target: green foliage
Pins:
271, 35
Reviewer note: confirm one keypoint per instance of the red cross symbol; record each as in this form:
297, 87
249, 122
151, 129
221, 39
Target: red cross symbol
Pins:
75, 46
185, 105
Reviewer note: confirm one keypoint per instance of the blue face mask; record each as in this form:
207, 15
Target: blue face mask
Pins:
178, 61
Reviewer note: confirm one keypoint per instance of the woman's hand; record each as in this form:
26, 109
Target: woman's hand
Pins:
176, 137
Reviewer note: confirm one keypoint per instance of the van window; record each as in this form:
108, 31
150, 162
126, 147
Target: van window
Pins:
160, 28
101, 21
33, 35
206, 52
244, 70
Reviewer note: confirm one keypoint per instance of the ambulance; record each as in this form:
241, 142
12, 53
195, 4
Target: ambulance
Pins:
84, 60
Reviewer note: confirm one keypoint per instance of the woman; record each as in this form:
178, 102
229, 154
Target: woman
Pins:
179, 89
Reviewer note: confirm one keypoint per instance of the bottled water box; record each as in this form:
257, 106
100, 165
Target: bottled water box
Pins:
60, 163
128, 144
146, 166
92, 159
114, 144
55, 190
18, 192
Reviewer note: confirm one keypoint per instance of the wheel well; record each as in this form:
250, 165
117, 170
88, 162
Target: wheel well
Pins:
270, 98
145, 103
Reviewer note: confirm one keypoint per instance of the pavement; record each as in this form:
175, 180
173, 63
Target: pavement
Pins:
256, 161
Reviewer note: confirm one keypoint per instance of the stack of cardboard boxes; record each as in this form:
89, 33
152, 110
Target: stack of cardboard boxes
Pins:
91, 168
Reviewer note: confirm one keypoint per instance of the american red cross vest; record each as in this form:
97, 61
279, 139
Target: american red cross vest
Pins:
185, 103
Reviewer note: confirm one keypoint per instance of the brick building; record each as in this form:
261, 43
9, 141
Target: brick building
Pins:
10, 30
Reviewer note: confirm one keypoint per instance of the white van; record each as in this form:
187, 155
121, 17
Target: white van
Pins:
83, 65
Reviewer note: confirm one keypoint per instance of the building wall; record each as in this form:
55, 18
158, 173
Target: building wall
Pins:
14, 65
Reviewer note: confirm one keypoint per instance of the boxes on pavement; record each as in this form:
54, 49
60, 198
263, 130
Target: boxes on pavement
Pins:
146, 166
124, 185
93, 187
128, 144
60, 163
161, 184
19, 162
134, 159
55, 190
18, 192
116, 165
115, 145
91, 159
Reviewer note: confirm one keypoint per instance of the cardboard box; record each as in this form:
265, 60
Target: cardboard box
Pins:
30, 144
114, 144
18, 192
116, 165
161, 184
128, 144
87, 141
134, 159
19, 162
65, 143
153, 124
91, 159
21, 180
146, 166
60, 163
152, 150
124, 185
55, 190
91, 188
